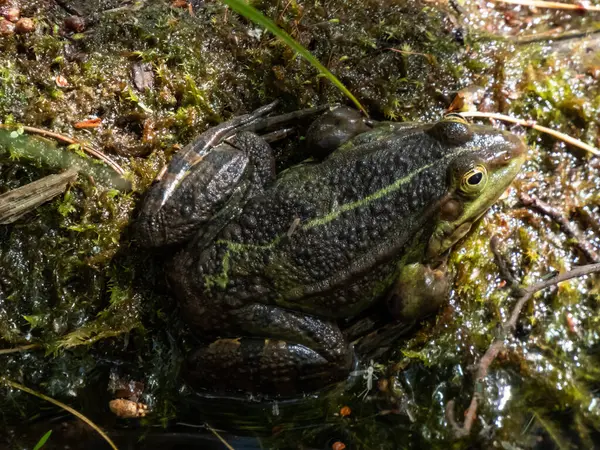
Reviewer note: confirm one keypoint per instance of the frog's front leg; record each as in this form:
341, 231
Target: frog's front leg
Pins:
418, 291
301, 353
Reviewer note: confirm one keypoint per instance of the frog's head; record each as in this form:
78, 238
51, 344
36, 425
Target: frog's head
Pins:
486, 161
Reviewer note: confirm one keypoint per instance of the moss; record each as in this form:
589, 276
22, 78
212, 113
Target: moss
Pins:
72, 279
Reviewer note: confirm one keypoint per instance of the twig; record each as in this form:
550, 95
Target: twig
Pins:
76, 413
216, 433
66, 139
569, 229
16, 203
532, 290
503, 267
23, 348
552, 5
532, 124
526, 293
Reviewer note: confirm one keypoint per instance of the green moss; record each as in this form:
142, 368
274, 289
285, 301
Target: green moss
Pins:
72, 280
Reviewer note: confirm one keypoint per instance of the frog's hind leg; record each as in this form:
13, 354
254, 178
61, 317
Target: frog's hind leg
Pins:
209, 179
193, 153
209, 194
262, 366
302, 353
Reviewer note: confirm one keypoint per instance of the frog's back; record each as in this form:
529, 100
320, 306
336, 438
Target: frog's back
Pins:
312, 239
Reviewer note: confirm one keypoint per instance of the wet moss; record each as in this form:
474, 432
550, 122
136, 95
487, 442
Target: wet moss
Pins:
72, 280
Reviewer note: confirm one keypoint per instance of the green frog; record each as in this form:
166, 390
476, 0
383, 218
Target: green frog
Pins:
270, 266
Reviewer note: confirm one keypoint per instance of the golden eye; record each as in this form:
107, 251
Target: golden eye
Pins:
474, 181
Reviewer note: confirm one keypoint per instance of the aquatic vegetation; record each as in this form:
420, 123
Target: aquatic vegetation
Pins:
80, 416
43, 440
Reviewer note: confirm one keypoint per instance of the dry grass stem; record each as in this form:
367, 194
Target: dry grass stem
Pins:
552, 5
68, 140
219, 437
22, 348
532, 124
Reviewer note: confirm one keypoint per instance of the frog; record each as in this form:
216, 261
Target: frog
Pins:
267, 267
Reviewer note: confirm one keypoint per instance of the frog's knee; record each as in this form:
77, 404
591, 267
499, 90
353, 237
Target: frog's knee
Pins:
176, 207
333, 129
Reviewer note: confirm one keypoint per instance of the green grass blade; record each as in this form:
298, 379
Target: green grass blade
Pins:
42, 441
76, 413
251, 13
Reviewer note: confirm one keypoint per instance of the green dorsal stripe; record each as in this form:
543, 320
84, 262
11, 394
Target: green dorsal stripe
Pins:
237, 247
374, 196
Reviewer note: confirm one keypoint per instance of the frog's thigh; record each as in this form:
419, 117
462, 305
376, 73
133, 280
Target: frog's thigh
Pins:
260, 365
278, 323
418, 291
202, 192
232, 171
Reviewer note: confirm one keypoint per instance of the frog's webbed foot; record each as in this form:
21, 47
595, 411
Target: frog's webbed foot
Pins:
302, 353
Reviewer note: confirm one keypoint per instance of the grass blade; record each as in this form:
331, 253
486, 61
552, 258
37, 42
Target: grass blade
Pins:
76, 413
42, 441
254, 15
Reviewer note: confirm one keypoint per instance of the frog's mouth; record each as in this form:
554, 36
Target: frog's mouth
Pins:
458, 213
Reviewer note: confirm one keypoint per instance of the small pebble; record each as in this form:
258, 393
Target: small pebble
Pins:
345, 411
128, 409
10, 13
25, 25
61, 81
6, 28
75, 23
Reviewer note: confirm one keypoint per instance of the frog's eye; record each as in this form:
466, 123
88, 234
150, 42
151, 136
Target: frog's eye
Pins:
474, 180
